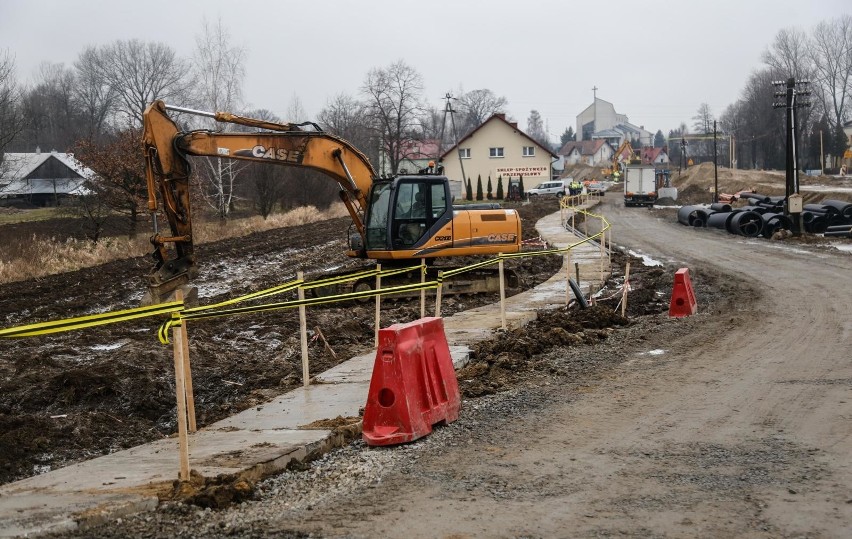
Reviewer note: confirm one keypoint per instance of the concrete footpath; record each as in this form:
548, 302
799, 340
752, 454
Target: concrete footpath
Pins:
264, 439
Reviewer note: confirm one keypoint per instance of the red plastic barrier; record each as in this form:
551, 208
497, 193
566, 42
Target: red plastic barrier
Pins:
413, 386
683, 297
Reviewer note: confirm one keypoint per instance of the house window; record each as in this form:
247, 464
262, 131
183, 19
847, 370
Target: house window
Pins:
495, 152
464, 153
529, 151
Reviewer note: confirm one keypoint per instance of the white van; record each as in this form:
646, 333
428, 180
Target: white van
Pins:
555, 187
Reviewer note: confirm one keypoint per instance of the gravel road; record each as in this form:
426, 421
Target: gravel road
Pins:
736, 422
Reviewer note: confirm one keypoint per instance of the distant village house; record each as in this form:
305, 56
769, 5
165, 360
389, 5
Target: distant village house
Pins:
41, 178
495, 149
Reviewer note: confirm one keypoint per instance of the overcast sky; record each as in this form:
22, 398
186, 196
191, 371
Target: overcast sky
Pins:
656, 61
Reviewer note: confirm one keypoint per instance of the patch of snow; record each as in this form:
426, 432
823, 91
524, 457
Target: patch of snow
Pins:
783, 247
845, 247
113, 346
657, 352
646, 260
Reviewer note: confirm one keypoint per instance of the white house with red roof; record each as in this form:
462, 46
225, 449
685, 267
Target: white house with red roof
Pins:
587, 152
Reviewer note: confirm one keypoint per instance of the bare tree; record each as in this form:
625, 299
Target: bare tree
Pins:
477, 106
788, 54
394, 96
219, 72
11, 117
95, 97
536, 130
50, 109
348, 118
140, 72
703, 119
831, 53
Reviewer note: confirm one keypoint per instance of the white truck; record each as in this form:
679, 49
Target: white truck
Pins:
640, 185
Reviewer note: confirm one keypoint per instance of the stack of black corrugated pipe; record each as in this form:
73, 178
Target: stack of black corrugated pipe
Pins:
736, 221
764, 216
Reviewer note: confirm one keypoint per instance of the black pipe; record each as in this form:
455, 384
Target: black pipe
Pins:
844, 207
829, 211
816, 225
719, 220
772, 222
838, 233
759, 198
837, 228
686, 215
746, 223
720, 206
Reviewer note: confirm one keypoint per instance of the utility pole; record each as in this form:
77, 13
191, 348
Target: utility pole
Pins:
793, 89
821, 155
715, 167
448, 109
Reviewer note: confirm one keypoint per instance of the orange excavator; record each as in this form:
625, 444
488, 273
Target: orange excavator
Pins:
616, 167
397, 220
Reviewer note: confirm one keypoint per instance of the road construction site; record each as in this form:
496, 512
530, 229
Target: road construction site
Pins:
731, 422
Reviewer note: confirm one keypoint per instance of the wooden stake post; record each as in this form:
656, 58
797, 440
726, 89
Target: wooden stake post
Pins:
187, 378
378, 304
624, 292
502, 292
568, 277
303, 333
180, 395
422, 290
438, 295
602, 239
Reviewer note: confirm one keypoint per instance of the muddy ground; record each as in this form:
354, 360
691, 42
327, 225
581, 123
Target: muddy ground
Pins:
73, 396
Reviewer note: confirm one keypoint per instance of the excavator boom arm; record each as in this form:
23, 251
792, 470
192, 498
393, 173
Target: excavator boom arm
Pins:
167, 172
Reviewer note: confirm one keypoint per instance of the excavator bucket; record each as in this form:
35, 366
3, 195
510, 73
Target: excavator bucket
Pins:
165, 292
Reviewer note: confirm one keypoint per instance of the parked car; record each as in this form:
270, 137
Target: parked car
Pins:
596, 188
554, 188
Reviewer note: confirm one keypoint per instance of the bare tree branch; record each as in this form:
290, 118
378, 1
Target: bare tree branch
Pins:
394, 96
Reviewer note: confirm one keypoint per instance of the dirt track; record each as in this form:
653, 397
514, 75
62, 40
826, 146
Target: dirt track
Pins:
741, 427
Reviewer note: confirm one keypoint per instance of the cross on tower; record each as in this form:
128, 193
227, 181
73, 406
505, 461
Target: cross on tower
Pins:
595, 91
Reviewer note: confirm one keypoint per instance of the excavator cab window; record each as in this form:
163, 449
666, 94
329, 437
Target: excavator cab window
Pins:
412, 206
406, 212
377, 218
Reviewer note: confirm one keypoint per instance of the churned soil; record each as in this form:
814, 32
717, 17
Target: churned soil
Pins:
72, 396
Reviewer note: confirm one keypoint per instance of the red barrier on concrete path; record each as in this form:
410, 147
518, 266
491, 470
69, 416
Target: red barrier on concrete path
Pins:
683, 297
414, 385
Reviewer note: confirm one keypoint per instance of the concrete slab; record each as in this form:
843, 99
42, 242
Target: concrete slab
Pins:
261, 440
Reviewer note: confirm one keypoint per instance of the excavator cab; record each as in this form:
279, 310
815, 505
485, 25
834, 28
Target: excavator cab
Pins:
407, 211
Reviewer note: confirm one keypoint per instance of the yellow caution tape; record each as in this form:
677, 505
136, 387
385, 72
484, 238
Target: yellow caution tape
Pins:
70, 324
179, 313
178, 317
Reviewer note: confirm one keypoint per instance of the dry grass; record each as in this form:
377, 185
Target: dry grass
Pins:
32, 257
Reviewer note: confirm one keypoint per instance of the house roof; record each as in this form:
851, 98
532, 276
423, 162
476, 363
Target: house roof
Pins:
586, 147
18, 166
500, 118
649, 154
21, 174
419, 149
